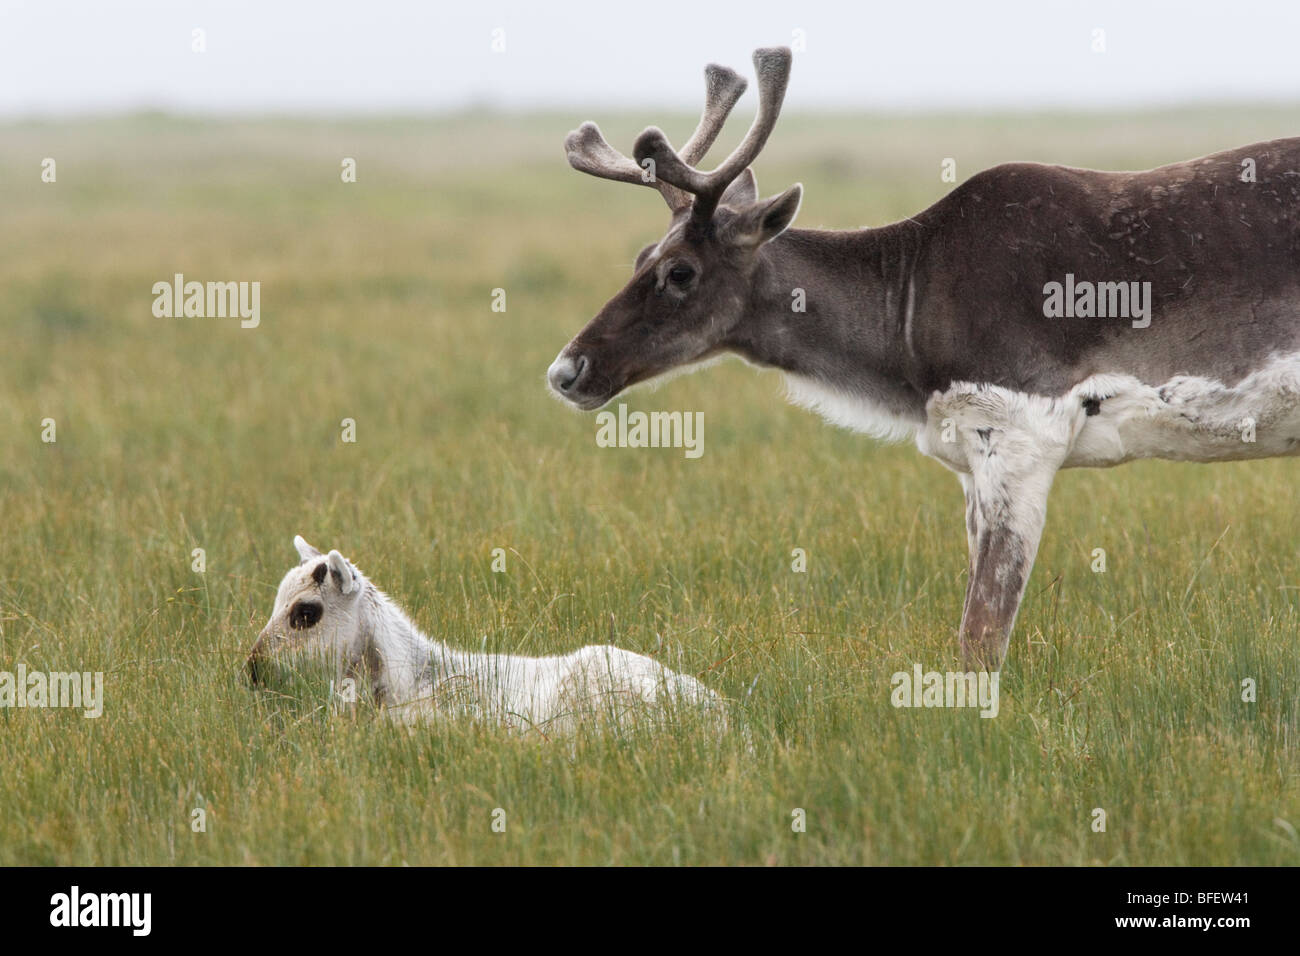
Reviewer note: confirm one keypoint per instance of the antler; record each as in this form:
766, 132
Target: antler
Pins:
772, 65
588, 152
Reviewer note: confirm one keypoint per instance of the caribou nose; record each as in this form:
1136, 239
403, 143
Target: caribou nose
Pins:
565, 372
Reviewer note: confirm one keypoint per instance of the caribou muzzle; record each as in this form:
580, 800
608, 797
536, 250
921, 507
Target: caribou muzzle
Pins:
567, 375
582, 381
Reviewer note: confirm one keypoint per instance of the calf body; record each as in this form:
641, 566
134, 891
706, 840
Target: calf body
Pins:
328, 611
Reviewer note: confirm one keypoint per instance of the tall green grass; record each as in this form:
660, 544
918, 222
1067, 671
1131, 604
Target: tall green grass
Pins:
1123, 689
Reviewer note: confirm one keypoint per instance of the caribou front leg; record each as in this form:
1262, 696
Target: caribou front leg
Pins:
1006, 448
1004, 522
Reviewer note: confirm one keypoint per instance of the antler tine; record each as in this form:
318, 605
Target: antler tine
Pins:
773, 68
587, 152
723, 87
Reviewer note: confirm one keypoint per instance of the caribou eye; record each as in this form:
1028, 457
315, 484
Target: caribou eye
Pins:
305, 614
681, 274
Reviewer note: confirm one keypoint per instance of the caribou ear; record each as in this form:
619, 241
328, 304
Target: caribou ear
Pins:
341, 572
742, 191
642, 255
763, 221
305, 551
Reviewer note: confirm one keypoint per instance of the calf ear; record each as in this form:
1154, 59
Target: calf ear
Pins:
342, 572
305, 551
764, 220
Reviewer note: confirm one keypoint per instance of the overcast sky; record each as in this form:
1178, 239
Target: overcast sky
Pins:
336, 56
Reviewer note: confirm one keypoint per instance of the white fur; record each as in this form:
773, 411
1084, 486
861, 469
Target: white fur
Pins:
1188, 418
367, 636
846, 409
1007, 447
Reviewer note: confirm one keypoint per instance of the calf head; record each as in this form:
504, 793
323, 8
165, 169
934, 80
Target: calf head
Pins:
316, 613
690, 290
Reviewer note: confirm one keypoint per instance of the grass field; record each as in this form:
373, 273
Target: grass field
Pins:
1122, 692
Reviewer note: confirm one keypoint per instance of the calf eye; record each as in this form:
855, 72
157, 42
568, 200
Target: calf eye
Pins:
681, 274
305, 614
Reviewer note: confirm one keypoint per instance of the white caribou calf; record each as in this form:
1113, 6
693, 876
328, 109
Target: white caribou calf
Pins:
327, 610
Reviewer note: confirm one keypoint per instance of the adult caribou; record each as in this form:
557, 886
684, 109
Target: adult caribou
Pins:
943, 326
